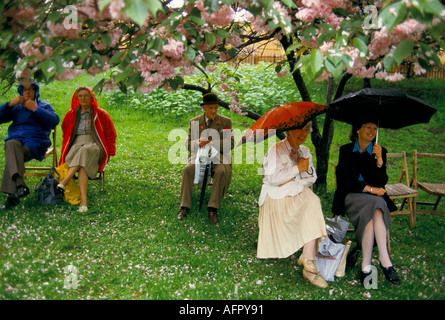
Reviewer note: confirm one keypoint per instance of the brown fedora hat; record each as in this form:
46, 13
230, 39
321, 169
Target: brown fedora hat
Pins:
209, 98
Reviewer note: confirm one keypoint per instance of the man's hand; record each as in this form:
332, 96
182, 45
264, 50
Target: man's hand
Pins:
202, 142
31, 105
16, 100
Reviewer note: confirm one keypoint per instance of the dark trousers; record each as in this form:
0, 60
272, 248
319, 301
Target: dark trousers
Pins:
16, 154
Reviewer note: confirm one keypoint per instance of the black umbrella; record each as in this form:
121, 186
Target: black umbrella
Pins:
390, 108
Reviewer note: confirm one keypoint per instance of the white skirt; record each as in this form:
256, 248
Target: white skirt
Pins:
286, 224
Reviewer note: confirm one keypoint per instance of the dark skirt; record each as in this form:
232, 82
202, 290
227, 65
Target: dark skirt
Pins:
360, 209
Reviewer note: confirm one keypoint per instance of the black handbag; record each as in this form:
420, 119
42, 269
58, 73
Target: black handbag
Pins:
47, 192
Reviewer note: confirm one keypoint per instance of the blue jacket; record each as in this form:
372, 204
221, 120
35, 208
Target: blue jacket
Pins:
33, 129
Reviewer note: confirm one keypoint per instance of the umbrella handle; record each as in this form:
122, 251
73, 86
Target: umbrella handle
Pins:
377, 136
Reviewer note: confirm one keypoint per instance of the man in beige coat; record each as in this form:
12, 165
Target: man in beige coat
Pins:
210, 127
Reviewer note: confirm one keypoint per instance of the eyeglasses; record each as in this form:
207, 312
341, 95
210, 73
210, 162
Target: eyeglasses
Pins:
28, 89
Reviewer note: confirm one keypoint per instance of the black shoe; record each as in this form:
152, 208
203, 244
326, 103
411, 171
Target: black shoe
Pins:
22, 191
363, 276
10, 203
390, 274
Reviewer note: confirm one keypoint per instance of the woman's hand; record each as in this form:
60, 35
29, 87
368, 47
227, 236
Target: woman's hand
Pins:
375, 190
303, 165
377, 150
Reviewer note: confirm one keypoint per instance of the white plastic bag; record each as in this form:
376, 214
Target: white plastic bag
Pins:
203, 157
328, 258
337, 228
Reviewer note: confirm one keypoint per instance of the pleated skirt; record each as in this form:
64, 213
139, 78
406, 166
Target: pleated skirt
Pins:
286, 224
360, 209
84, 153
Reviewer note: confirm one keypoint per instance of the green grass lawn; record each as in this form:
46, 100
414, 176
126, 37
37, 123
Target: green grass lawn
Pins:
130, 245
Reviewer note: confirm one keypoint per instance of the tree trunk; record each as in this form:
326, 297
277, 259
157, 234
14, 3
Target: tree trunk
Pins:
323, 148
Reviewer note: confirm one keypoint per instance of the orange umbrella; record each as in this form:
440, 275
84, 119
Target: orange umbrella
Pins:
285, 117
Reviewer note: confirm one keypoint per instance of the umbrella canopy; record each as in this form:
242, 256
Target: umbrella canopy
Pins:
390, 108
285, 117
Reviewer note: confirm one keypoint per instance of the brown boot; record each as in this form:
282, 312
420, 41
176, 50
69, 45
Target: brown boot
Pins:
183, 213
213, 215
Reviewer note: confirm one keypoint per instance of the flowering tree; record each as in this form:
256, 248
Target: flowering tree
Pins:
151, 43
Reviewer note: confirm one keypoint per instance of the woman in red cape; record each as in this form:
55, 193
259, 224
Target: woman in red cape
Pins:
89, 140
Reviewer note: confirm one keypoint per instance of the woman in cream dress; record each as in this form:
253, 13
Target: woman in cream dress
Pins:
290, 213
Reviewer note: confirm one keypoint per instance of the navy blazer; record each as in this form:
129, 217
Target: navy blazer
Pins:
350, 166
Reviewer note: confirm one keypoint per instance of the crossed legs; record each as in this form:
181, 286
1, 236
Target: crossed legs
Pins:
376, 231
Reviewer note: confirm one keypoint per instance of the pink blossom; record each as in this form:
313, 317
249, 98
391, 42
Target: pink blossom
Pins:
409, 29
115, 8
96, 70
237, 109
223, 87
60, 30
220, 17
418, 70
173, 48
69, 74
33, 49
395, 77
234, 40
381, 75
115, 35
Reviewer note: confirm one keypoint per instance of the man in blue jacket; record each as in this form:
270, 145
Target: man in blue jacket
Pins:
28, 138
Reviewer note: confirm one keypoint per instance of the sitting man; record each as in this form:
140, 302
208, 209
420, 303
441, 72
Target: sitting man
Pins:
204, 129
28, 138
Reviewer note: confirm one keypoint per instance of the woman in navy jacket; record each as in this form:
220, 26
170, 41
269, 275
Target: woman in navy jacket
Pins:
361, 195
28, 138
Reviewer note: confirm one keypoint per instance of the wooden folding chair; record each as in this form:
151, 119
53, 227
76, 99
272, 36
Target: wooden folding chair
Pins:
52, 151
436, 189
402, 190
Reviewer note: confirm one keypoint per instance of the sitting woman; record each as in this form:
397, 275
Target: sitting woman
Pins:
290, 213
361, 195
89, 140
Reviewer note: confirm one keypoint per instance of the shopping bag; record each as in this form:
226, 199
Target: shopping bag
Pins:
337, 228
328, 258
72, 191
202, 162
47, 192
